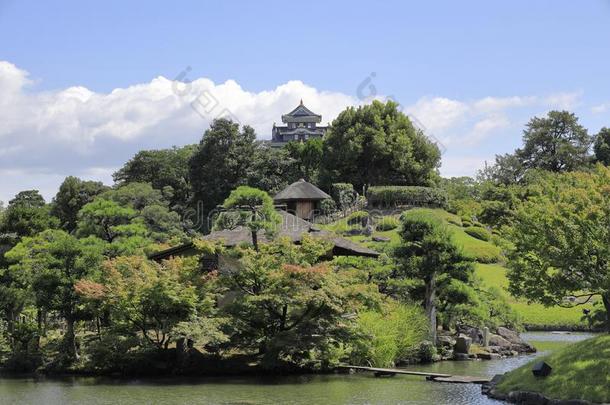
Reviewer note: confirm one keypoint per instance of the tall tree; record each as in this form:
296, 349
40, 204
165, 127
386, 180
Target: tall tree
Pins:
56, 261
272, 169
428, 256
308, 157
557, 143
164, 169
220, 164
561, 237
73, 194
602, 146
26, 215
376, 144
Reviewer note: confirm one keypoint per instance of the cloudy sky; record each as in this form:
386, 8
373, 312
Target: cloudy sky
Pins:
83, 87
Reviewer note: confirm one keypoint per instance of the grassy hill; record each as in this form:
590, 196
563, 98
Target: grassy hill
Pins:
490, 268
580, 371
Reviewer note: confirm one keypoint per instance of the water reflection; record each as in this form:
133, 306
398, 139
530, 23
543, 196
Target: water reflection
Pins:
331, 389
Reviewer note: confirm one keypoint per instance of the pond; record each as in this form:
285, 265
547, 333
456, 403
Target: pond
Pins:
318, 389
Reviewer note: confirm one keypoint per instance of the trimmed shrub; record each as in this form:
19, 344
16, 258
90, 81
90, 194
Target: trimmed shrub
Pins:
478, 232
455, 221
392, 196
343, 194
387, 224
328, 206
358, 218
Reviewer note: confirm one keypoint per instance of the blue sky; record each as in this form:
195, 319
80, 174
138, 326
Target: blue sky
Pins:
83, 86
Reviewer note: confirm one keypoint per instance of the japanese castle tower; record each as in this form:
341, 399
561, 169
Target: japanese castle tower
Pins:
300, 126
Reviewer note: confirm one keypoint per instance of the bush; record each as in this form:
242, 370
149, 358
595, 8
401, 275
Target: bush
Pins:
387, 224
426, 351
390, 336
328, 206
343, 194
392, 196
478, 232
357, 218
455, 221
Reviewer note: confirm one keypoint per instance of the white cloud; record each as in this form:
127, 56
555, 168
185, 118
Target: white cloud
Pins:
47, 135
563, 101
438, 113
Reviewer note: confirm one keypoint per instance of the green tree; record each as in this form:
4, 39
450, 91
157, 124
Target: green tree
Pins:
154, 299
272, 169
376, 144
561, 238
103, 218
251, 207
165, 169
427, 258
220, 164
308, 157
73, 194
291, 307
26, 215
56, 261
556, 143
602, 146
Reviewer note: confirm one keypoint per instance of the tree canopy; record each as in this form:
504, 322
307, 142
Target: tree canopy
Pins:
561, 238
220, 164
376, 144
602, 146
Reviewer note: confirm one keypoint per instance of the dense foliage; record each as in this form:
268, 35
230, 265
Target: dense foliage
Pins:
377, 144
396, 196
78, 291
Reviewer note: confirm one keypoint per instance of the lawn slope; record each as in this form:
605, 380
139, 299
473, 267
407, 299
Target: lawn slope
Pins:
580, 371
489, 268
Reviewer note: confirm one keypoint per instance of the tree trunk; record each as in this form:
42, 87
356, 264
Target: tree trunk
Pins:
606, 302
430, 305
70, 339
255, 240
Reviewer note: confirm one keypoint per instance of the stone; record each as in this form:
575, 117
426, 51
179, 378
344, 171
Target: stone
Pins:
475, 334
460, 356
516, 343
497, 340
446, 341
485, 336
380, 239
488, 356
462, 344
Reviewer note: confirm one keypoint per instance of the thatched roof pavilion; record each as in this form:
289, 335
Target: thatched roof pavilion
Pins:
301, 198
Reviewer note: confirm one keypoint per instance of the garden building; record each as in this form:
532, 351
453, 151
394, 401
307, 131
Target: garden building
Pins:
301, 199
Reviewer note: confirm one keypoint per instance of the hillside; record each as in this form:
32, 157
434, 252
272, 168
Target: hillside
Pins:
580, 371
490, 269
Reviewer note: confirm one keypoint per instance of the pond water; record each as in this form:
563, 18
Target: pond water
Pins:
325, 389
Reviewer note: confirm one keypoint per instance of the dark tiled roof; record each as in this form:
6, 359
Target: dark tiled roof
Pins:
291, 227
301, 111
300, 190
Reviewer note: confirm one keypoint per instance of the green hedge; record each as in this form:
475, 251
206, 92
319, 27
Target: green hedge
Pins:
478, 232
357, 218
392, 196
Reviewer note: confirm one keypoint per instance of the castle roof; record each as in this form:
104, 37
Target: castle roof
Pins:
301, 114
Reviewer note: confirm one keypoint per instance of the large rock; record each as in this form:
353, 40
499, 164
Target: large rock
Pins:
473, 333
497, 340
516, 343
462, 344
446, 341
